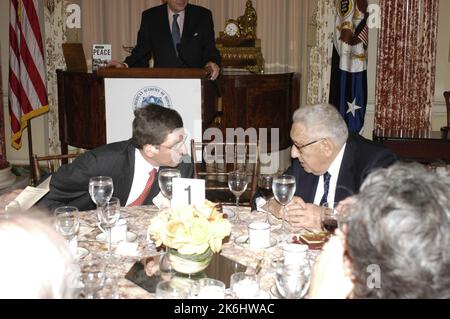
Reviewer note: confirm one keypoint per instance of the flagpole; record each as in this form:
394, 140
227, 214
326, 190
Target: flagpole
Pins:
30, 150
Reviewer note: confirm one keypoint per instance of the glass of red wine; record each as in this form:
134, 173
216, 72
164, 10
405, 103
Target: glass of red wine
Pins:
329, 217
265, 189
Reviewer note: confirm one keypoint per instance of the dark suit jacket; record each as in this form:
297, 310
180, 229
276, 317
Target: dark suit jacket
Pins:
70, 184
197, 46
361, 157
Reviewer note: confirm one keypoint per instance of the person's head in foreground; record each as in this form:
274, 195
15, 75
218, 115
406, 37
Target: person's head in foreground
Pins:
397, 241
158, 132
36, 262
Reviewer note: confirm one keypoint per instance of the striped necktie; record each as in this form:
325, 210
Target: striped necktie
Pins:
326, 186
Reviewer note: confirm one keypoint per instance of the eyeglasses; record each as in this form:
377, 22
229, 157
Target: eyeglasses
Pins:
177, 146
307, 144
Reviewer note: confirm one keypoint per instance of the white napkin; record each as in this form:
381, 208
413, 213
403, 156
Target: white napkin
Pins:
160, 201
127, 249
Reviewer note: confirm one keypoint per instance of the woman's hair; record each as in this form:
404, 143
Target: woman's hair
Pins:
153, 123
322, 121
400, 224
36, 262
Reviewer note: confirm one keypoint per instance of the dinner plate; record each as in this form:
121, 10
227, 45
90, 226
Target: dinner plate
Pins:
130, 237
244, 241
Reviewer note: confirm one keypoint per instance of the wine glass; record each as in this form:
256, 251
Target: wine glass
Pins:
93, 275
67, 224
284, 189
265, 189
165, 181
101, 189
329, 217
237, 183
107, 217
292, 280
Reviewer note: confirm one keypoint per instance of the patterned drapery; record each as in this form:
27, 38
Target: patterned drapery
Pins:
406, 67
54, 12
320, 55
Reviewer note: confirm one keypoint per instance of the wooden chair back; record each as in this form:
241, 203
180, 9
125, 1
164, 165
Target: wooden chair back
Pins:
51, 164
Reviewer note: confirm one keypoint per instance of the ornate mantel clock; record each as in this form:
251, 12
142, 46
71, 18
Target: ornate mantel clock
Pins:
238, 45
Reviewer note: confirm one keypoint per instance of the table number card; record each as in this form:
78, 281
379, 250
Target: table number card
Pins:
186, 191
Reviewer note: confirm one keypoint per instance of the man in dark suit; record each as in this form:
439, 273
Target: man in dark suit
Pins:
329, 164
158, 141
175, 34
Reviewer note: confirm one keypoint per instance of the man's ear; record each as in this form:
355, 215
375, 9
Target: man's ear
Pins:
327, 146
150, 150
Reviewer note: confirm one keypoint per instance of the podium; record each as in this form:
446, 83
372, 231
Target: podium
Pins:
248, 101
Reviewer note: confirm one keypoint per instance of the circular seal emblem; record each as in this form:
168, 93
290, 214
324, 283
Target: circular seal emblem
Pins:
151, 95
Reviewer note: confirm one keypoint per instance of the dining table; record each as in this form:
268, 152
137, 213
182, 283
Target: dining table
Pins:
140, 246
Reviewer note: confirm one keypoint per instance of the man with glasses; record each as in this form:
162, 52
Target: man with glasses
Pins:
158, 141
329, 164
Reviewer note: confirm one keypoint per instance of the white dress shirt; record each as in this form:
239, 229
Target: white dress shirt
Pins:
180, 19
334, 172
142, 169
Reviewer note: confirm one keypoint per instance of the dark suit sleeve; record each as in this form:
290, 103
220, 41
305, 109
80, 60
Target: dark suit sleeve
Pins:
143, 50
210, 52
69, 185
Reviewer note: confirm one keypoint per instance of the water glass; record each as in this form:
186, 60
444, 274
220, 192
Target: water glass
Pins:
107, 216
244, 285
208, 288
173, 289
67, 224
237, 183
292, 280
165, 177
283, 190
93, 277
101, 189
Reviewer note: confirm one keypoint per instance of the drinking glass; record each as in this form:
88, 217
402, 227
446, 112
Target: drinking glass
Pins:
173, 289
67, 223
329, 217
244, 285
292, 280
101, 189
165, 181
93, 277
107, 218
265, 189
237, 183
284, 189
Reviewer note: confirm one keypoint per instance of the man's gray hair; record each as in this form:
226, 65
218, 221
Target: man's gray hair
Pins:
400, 222
322, 121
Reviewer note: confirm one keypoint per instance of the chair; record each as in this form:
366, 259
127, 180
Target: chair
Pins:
51, 162
213, 161
445, 129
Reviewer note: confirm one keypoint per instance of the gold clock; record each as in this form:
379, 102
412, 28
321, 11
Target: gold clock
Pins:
232, 28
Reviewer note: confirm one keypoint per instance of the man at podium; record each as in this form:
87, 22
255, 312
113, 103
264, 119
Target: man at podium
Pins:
176, 34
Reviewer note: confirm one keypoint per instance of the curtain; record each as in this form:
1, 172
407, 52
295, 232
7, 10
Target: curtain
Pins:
282, 27
406, 67
320, 55
54, 12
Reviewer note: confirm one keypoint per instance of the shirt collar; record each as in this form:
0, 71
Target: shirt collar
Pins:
140, 164
171, 13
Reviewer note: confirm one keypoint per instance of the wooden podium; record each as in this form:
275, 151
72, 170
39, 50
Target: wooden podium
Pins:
248, 100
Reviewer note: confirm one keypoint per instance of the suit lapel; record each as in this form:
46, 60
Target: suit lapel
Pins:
125, 180
346, 179
188, 23
164, 34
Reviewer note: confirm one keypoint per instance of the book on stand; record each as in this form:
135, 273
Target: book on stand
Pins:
101, 55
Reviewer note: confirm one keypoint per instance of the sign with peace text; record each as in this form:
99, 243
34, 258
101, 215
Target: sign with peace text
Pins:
186, 191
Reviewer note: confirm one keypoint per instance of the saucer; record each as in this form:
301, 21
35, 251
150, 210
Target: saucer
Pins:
244, 241
228, 211
131, 237
81, 253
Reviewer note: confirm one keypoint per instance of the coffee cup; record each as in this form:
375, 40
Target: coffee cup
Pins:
259, 235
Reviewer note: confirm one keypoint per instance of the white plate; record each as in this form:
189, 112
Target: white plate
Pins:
81, 253
244, 242
131, 237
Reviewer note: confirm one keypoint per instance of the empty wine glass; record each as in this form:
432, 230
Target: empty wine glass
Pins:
107, 217
101, 189
93, 275
265, 189
237, 183
165, 181
284, 189
67, 224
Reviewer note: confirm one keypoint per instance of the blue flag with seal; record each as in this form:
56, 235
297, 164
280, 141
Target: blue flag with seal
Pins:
348, 84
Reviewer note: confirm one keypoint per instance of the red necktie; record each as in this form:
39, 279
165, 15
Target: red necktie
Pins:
141, 198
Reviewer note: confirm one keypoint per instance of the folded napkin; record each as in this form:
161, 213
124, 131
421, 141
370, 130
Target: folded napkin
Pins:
160, 201
127, 249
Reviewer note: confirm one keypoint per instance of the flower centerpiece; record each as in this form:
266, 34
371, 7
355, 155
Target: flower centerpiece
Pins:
191, 233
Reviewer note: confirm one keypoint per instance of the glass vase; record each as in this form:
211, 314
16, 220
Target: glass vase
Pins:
189, 264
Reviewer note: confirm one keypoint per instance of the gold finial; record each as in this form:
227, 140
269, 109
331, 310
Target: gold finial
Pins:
247, 22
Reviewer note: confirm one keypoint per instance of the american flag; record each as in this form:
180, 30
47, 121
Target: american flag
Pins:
27, 79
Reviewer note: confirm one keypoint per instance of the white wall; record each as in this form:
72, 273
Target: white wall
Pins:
38, 124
